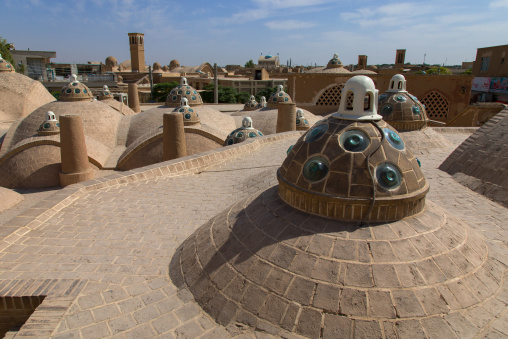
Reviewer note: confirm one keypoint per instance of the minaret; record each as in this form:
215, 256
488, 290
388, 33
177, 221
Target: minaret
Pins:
137, 46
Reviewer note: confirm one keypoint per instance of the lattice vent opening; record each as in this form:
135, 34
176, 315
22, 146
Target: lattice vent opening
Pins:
436, 105
330, 97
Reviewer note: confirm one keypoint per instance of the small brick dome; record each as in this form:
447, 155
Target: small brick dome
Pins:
75, 91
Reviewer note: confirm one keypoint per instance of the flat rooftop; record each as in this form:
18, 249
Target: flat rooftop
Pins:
100, 250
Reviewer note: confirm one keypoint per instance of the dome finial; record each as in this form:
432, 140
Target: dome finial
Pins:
335, 56
183, 81
50, 116
73, 78
184, 102
247, 123
280, 88
397, 84
362, 92
105, 88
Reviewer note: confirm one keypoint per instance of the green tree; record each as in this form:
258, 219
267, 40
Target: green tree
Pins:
56, 95
161, 91
442, 70
227, 95
468, 71
249, 64
267, 92
242, 97
4, 50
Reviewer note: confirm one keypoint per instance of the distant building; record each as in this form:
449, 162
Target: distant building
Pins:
268, 62
35, 62
491, 75
491, 62
467, 64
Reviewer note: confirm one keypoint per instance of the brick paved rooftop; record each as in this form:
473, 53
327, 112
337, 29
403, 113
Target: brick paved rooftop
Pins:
97, 254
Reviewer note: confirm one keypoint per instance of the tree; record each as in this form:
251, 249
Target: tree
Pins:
242, 97
56, 95
267, 92
161, 91
249, 64
441, 70
4, 50
227, 95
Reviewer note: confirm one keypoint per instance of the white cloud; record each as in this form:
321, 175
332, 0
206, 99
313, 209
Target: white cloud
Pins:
287, 24
264, 9
289, 3
396, 14
499, 4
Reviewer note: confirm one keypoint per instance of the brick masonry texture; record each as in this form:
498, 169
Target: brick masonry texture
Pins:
116, 236
481, 162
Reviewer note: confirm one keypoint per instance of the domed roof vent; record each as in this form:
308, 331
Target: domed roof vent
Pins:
353, 169
50, 126
243, 133
5, 66
301, 123
334, 62
105, 94
279, 96
184, 91
190, 116
262, 103
75, 91
363, 105
401, 109
251, 105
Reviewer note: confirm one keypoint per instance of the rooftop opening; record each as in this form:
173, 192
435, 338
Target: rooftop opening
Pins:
15, 311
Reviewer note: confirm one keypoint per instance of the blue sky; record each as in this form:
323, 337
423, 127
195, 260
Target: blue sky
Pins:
232, 31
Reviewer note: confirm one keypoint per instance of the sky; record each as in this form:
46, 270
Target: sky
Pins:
232, 32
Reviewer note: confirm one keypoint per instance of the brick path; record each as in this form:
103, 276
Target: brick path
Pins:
120, 240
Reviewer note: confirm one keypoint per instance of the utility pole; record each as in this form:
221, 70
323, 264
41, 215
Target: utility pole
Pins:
150, 75
215, 84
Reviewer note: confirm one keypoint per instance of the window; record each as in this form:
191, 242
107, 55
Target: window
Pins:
485, 64
349, 103
366, 101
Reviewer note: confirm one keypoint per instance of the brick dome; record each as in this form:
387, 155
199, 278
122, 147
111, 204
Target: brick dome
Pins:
184, 90
401, 109
251, 105
105, 94
279, 96
356, 166
190, 116
75, 91
243, 133
5, 66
